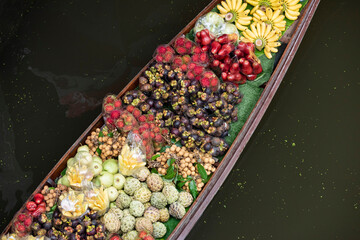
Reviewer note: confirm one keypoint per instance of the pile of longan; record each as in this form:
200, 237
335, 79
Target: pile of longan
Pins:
51, 195
186, 161
110, 147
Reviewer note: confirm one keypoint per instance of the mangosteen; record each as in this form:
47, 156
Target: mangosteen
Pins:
217, 121
207, 147
234, 119
80, 229
86, 221
159, 82
161, 123
75, 222
57, 223
48, 224
158, 104
176, 124
41, 232
216, 141
128, 98
63, 237
68, 230
216, 151
195, 137
190, 145
144, 107
224, 134
153, 111
198, 103
100, 228
35, 226
167, 114
168, 122
143, 80
42, 218
188, 127
99, 236
146, 88
175, 132
90, 230
72, 236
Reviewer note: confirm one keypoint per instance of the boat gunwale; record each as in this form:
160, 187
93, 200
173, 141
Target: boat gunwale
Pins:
232, 155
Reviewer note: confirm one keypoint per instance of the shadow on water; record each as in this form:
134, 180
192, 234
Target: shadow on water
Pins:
298, 178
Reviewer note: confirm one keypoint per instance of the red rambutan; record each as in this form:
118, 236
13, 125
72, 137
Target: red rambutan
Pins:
188, 45
161, 49
130, 108
142, 118
115, 114
159, 58
119, 124
150, 117
136, 112
181, 50
108, 108
118, 103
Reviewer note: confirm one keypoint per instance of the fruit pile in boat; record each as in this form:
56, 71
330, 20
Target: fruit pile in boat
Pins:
140, 172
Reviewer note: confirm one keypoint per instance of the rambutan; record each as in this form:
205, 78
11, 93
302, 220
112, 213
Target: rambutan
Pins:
136, 131
145, 125
190, 75
161, 49
156, 130
152, 125
128, 128
198, 70
170, 49
181, 50
197, 50
205, 82
146, 134
150, 117
177, 61
118, 103
152, 134
195, 58
115, 114
109, 121
203, 57
136, 113
214, 82
108, 108
164, 131
186, 58
188, 44
180, 41
142, 118
183, 67
109, 99
158, 138
119, 124
168, 57
192, 66
130, 108
159, 58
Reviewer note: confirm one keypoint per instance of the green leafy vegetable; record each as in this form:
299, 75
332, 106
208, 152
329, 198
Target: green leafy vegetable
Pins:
110, 134
155, 157
98, 151
154, 170
202, 172
170, 173
101, 134
193, 190
63, 172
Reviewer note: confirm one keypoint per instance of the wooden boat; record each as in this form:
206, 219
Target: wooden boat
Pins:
292, 38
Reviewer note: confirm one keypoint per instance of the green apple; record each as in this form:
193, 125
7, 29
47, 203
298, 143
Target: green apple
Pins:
83, 148
106, 179
112, 193
111, 166
97, 168
119, 181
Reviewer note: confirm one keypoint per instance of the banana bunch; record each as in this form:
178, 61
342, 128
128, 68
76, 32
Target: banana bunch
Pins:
263, 4
270, 17
234, 11
290, 7
263, 37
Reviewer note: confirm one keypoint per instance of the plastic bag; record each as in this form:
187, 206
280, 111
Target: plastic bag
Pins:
111, 110
98, 199
133, 155
72, 204
22, 226
80, 170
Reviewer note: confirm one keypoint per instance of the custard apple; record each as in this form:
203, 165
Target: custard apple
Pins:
123, 200
159, 230
127, 223
126, 212
131, 185
185, 199
164, 215
155, 182
142, 173
152, 213
112, 222
132, 235
147, 204
158, 200
144, 224
171, 193
142, 194
177, 210
117, 211
136, 208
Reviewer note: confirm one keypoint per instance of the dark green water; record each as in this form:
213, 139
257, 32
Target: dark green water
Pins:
298, 177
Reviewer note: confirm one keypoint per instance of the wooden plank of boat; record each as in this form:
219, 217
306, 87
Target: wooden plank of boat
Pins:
293, 37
